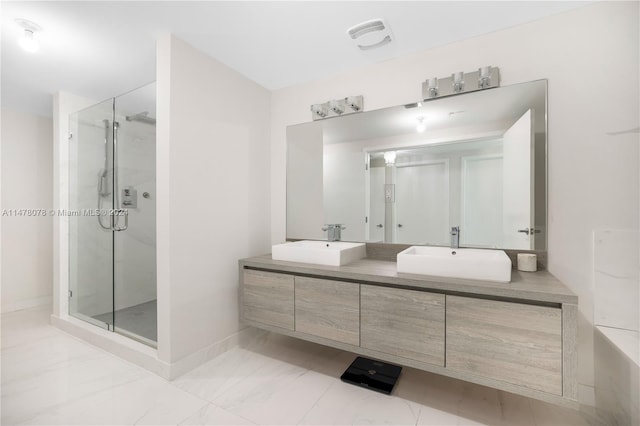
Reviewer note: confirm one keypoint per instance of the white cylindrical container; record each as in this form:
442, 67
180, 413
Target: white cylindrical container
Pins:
527, 262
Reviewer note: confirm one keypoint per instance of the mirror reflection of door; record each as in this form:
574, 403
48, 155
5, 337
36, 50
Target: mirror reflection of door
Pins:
376, 204
422, 203
481, 209
518, 192
344, 202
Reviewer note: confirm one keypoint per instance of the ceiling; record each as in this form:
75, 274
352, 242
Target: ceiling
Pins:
102, 49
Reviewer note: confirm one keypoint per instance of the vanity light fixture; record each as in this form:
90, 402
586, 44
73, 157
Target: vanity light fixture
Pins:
337, 107
390, 158
421, 127
27, 40
319, 111
354, 102
460, 82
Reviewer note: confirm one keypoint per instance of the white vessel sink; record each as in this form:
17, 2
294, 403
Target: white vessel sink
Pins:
332, 253
474, 264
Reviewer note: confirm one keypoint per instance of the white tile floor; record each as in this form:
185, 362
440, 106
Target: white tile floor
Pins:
49, 377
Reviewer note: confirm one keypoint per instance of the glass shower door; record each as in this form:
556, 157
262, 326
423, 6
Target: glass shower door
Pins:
135, 309
90, 203
112, 217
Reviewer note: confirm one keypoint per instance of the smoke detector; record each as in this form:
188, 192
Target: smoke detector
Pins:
370, 34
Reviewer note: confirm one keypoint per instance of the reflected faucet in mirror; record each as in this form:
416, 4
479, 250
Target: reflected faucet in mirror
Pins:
455, 237
334, 231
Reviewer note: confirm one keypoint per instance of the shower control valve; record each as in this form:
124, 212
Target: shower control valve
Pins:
130, 197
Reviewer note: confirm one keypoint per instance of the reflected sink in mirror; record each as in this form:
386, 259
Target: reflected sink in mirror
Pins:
331, 253
474, 264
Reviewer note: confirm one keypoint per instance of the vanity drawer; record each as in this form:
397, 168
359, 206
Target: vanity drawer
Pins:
511, 342
405, 323
328, 309
267, 297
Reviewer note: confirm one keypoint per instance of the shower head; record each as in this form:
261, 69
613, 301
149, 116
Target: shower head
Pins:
142, 117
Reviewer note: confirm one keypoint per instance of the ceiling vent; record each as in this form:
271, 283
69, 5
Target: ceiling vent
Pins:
370, 34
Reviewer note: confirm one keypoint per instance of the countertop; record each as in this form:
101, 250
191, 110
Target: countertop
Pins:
538, 286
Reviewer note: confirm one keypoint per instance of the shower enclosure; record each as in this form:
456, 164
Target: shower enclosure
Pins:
112, 215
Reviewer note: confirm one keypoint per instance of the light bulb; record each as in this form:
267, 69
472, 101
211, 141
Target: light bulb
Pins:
28, 41
484, 79
458, 81
319, 110
421, 127
390, 158
337, 106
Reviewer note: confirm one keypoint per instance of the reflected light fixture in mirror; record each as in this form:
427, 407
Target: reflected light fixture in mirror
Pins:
484, 80
432, 85
458, 81
389, 158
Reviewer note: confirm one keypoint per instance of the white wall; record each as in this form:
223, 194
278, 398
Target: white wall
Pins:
593, 177
27, 150
212, 194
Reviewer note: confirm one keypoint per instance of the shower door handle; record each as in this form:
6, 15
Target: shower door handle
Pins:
119, 212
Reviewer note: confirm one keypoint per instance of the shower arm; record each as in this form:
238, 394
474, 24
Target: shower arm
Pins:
142, 117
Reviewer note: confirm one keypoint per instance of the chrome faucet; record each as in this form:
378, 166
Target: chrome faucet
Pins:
455, 236
334, 231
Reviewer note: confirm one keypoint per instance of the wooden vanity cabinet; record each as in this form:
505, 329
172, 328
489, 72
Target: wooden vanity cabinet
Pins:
405, 323
512, 342
267, 298
328, 309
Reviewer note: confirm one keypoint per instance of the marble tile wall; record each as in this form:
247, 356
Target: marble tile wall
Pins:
616, 278
135, 248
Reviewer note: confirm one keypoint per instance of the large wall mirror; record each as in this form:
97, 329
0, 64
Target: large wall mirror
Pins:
408, 174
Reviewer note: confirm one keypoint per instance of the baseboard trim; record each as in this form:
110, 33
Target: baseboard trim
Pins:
143, 355
586, 395
210, 352
26, 304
